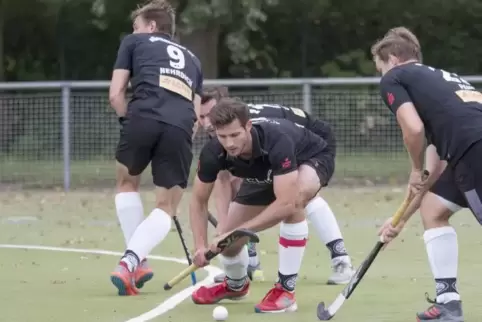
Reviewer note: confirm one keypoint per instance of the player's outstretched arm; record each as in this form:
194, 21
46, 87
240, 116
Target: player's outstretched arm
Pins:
117, 91
413, 133
198, 212
207, 171
223, 194
120, 76
398, 100
435, 167
197, 110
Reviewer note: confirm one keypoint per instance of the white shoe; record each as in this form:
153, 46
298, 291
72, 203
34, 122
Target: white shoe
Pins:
342, 272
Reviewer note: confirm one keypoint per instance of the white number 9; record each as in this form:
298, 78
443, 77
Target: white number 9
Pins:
176, 56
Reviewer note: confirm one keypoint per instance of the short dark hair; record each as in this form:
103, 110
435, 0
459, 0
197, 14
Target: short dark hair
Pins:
214, 92
227, 110
159, 11
409, 36
397, 46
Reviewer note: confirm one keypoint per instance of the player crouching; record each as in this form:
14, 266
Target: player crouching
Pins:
230, 190
288, 161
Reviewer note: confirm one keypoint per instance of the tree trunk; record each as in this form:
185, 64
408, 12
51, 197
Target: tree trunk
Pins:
204, 44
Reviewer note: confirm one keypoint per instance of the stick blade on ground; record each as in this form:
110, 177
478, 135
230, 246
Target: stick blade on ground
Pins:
323, 313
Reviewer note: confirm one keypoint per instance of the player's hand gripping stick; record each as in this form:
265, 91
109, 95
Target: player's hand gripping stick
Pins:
326, 313
222, 245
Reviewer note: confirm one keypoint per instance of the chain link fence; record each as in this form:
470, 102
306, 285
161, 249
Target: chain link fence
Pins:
45, 142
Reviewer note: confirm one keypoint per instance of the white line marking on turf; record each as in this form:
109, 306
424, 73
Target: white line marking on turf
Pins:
162, 308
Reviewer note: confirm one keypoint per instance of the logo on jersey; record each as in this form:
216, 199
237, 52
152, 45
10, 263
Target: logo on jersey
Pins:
267, 180
390, 98
286, 163
175, 85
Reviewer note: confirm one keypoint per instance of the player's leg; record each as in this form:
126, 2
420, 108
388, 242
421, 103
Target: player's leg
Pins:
170, 164
133, 155
234, 261
251, 195
323, 219
291, 249
440, 238
255, 272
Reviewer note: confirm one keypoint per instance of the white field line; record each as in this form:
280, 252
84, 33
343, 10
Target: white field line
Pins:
163, 307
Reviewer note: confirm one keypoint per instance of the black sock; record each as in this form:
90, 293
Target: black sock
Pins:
288, 282
337, 248
445, 285
131, 259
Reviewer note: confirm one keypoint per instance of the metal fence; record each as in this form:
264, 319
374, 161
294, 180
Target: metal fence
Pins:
64, 134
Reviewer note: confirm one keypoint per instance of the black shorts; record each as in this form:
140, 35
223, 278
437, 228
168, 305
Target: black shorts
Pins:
167, 147
252, 194
461, 183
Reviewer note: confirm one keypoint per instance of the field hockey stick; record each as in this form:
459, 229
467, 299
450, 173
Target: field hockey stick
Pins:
186, 251
212, 220
222, 244
326, 313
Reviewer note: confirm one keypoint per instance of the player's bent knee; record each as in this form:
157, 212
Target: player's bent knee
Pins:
234, 249
297, 215
436, 211
309, 184
238, 214
125, 181
235, 258
168, 199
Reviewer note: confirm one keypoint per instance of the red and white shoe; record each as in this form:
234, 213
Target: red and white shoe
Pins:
124, 280
218, 292
278, 300
143, 274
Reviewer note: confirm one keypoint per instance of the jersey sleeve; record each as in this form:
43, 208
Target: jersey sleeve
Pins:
209, 164
282, 156
392, 91
124, 54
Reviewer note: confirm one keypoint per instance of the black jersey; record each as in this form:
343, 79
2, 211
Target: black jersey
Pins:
449, 106
292, 114
279, 147
165, 76
297, 116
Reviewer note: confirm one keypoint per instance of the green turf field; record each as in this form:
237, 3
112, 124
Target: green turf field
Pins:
359, 168
41, 285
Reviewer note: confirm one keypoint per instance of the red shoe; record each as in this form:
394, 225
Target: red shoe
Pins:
123, 280
143, 274
214, 294
278, 300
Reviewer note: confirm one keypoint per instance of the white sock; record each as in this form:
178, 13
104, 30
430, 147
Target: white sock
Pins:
131, 260
129, 212
326, 226
150, 233
291, 248
443, 252
236, 269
